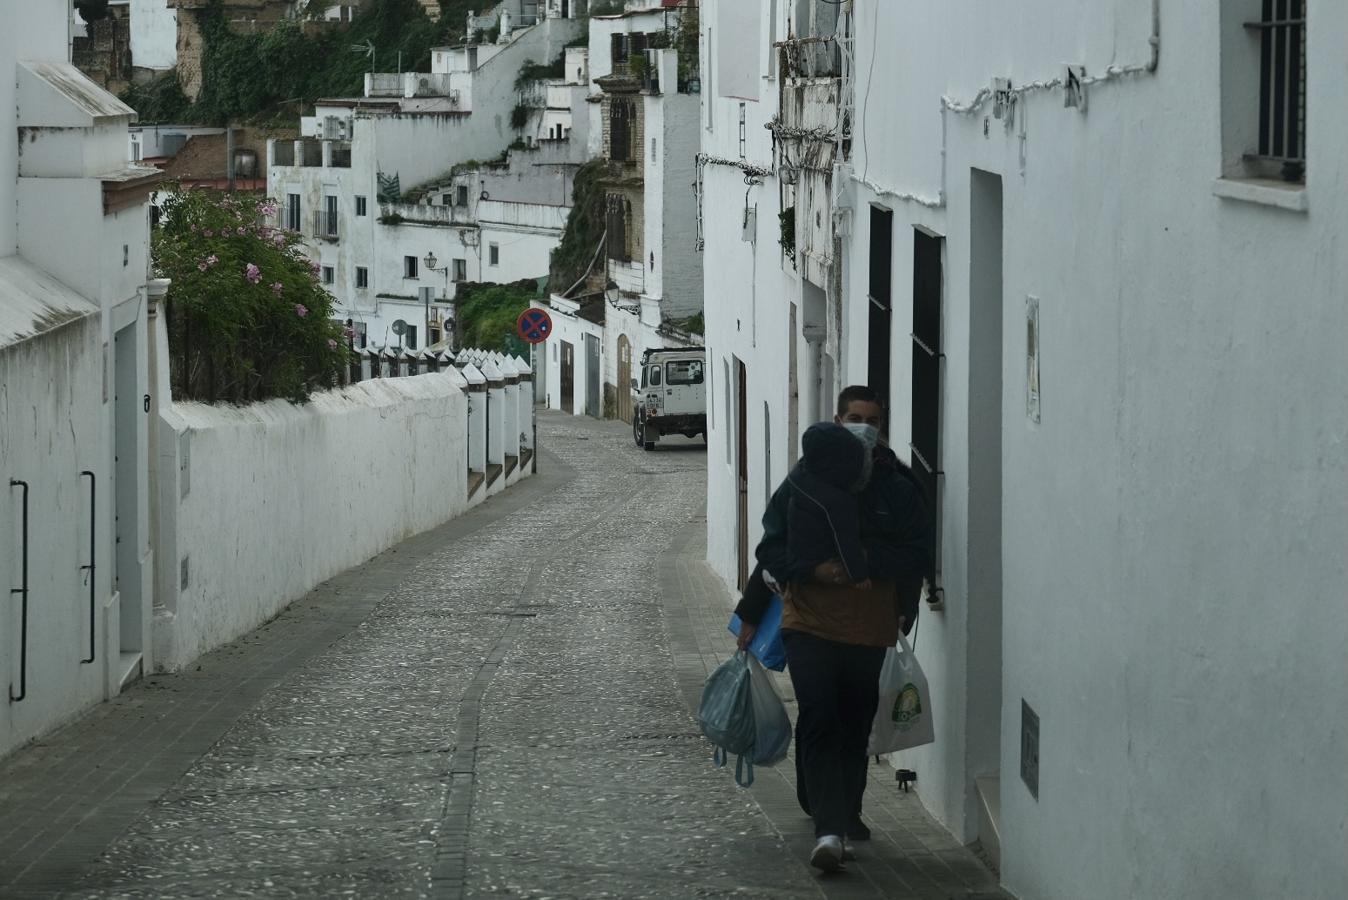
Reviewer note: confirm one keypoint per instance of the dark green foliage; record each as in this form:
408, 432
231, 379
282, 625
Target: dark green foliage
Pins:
160, 99
247, 318
488, 313
532, 71
254, 77
584, 228
519, 116
92, 10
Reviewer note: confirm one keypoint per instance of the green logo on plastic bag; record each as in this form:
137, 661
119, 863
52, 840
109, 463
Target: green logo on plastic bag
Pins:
907, 707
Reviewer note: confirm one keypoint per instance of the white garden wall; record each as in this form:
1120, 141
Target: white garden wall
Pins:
260, 504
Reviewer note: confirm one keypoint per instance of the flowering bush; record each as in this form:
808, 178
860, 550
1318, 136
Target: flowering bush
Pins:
247, 318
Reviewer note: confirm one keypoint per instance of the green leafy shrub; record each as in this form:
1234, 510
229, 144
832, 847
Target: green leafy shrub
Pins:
247, 318
487, 314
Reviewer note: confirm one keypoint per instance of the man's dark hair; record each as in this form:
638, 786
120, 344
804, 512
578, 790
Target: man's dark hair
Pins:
859, 392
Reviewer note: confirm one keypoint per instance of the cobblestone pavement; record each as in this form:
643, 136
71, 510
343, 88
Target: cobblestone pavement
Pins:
501, 707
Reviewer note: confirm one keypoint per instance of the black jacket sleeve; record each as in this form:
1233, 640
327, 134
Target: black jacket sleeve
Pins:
756, 598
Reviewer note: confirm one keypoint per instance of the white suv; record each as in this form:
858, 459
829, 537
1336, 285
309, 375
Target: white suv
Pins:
671, 397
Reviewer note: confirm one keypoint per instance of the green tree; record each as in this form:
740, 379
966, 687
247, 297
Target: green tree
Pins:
247, 317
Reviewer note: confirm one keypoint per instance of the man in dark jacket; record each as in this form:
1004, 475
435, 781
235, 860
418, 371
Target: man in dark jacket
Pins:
836, 634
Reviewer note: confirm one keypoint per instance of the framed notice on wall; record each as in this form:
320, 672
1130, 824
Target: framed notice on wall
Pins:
1032, 358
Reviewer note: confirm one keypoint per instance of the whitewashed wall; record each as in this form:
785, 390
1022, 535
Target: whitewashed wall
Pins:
1187, 478
52, 410
746, 286
154, 34
243, 491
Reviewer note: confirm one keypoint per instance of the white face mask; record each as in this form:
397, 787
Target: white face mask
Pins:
867, 434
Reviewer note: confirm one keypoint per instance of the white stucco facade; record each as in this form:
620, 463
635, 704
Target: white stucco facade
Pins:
434, 139
1115, 563
154, 34
74, 236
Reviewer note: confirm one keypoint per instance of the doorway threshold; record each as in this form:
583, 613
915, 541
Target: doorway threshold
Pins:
129, 668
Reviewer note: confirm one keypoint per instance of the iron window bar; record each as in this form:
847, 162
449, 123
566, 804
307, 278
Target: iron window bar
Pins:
935, 354
91, 568
22, 591
1282, 87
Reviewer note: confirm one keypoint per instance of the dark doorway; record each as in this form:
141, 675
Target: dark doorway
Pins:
742, 470
568, 386
881, 308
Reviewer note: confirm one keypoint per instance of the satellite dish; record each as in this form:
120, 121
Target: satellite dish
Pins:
399, 327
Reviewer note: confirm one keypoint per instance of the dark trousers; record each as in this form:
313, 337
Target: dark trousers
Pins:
837, 688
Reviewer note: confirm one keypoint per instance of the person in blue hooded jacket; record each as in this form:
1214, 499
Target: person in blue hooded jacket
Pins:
834, 632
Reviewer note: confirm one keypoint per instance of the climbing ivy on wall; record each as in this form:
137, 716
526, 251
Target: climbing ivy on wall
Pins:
584, 228
257, 77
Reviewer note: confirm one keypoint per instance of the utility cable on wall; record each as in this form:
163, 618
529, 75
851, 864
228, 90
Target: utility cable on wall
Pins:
1010, 96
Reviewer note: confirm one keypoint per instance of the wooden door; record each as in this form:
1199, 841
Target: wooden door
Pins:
624, 379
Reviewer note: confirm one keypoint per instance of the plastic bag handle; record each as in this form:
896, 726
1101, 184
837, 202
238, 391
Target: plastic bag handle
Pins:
718, 757
744, 772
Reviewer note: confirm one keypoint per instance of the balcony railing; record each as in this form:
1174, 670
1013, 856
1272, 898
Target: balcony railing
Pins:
325, 225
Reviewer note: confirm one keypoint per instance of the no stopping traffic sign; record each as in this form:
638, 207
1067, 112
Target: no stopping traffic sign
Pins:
534, 325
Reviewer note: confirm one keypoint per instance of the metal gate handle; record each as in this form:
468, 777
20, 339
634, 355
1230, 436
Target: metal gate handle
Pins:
93, 558
23, 591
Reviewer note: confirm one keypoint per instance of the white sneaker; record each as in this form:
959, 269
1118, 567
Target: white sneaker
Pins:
828, 853
848, 854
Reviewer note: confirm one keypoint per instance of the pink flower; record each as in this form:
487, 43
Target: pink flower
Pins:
208, 232
242, 231
348, 332
201, 266
277, 287
194, 229
269, 209
301, 310
212, 259
252, 273
332, 345
314, 268
279, 239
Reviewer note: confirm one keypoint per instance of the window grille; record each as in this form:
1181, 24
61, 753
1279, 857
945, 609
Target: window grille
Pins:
618, 212
1282, 85
362, 277
621, 111
927, 359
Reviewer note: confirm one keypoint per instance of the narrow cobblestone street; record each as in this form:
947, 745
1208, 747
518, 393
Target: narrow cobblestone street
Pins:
501, 707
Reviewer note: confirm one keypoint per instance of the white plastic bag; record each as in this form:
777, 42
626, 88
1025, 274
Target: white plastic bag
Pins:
903, 715
772, 726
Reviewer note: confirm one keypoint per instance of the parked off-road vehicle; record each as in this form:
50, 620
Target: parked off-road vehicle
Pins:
671, 395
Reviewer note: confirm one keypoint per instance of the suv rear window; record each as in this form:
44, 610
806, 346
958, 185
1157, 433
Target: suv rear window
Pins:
686, 371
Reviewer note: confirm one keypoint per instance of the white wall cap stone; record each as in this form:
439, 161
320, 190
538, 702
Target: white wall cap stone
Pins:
58, 95
473, 375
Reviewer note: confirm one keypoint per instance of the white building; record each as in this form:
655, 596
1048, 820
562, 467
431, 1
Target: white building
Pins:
75, 562
154, 34
643, 124
368, 185
1074, 286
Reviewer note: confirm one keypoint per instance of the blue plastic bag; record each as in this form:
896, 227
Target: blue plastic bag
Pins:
742, 714
767, 642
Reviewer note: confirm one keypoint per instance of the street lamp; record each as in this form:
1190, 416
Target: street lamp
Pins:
430, 262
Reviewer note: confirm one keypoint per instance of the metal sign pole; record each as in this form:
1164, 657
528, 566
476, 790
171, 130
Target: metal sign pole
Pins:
533, 365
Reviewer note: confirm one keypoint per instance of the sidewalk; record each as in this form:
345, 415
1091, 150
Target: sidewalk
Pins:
450, 721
